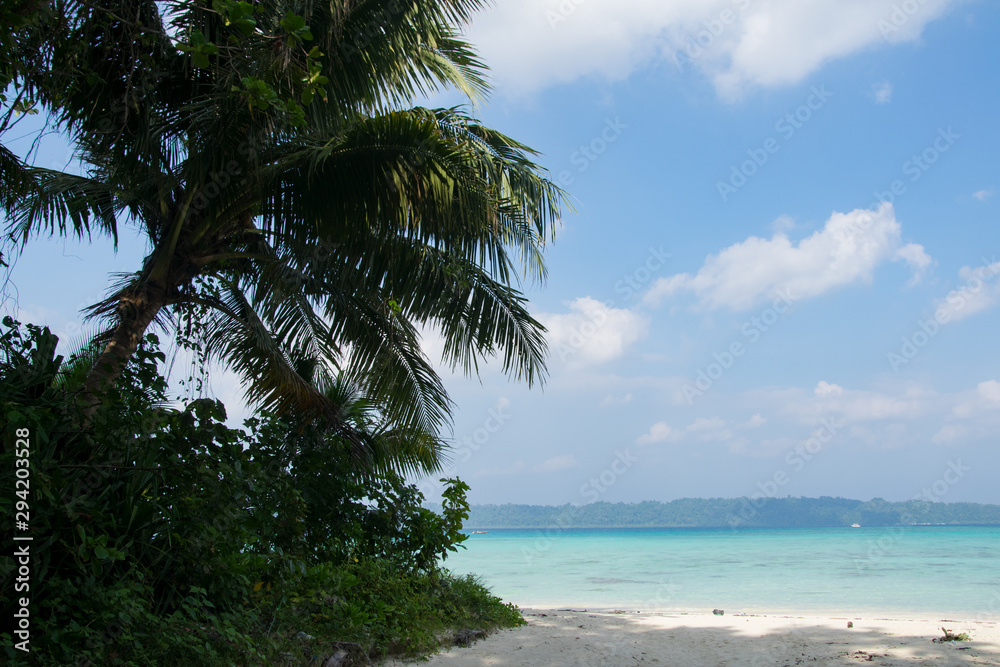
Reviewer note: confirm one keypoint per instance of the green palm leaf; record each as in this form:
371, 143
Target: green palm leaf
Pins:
294, 202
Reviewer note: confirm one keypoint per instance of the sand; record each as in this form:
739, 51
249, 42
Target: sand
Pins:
580, 637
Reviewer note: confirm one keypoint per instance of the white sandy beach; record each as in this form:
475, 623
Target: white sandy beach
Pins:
578, 637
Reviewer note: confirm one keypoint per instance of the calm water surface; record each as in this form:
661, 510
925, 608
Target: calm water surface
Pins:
928, 569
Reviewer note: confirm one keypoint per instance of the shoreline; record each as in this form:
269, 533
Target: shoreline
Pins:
845, 614
567, 636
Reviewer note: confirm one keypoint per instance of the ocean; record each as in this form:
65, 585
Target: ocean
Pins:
946, 571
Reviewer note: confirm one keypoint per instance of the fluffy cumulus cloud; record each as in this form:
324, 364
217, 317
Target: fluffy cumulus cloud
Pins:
824, 389
737, 44
848, 249
592, 333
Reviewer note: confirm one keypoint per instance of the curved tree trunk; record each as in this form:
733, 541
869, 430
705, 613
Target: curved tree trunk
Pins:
136, 312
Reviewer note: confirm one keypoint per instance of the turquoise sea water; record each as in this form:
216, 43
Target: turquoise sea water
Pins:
918, 569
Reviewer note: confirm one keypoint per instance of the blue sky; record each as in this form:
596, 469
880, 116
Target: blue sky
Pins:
783, 270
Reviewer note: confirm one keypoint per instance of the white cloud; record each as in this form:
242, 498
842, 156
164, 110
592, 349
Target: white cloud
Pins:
610, 400
871, 406
737, 44
990, 390
984, 400
860, 405
665, 288
563, 462
853, 405
658, 432
950, 434
848, 249
980, 291
983, 195
592, 333
882, 92
823, 389
783, 223
708, 430
894, 415
754, 422
704, 424
917, 259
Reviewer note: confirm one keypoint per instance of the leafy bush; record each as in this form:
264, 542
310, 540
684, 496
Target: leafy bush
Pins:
162, 536
383, 610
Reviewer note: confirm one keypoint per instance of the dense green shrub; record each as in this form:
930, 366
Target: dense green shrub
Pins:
162, 536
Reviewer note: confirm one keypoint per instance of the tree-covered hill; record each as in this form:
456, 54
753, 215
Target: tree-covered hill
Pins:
733, 513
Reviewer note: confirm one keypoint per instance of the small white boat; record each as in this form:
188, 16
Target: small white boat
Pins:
855, 525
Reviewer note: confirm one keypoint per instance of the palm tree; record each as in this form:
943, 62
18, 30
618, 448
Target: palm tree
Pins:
19, 42
291, 198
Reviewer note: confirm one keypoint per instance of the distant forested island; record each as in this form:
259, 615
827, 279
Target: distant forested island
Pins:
732, 513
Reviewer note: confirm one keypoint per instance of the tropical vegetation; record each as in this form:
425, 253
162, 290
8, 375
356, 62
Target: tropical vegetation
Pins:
160, 536
292, 203
306, 224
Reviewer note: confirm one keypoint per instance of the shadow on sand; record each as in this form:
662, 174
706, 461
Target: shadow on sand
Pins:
578, 638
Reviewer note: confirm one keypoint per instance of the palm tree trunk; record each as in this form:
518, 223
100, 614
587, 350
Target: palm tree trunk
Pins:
136, 311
